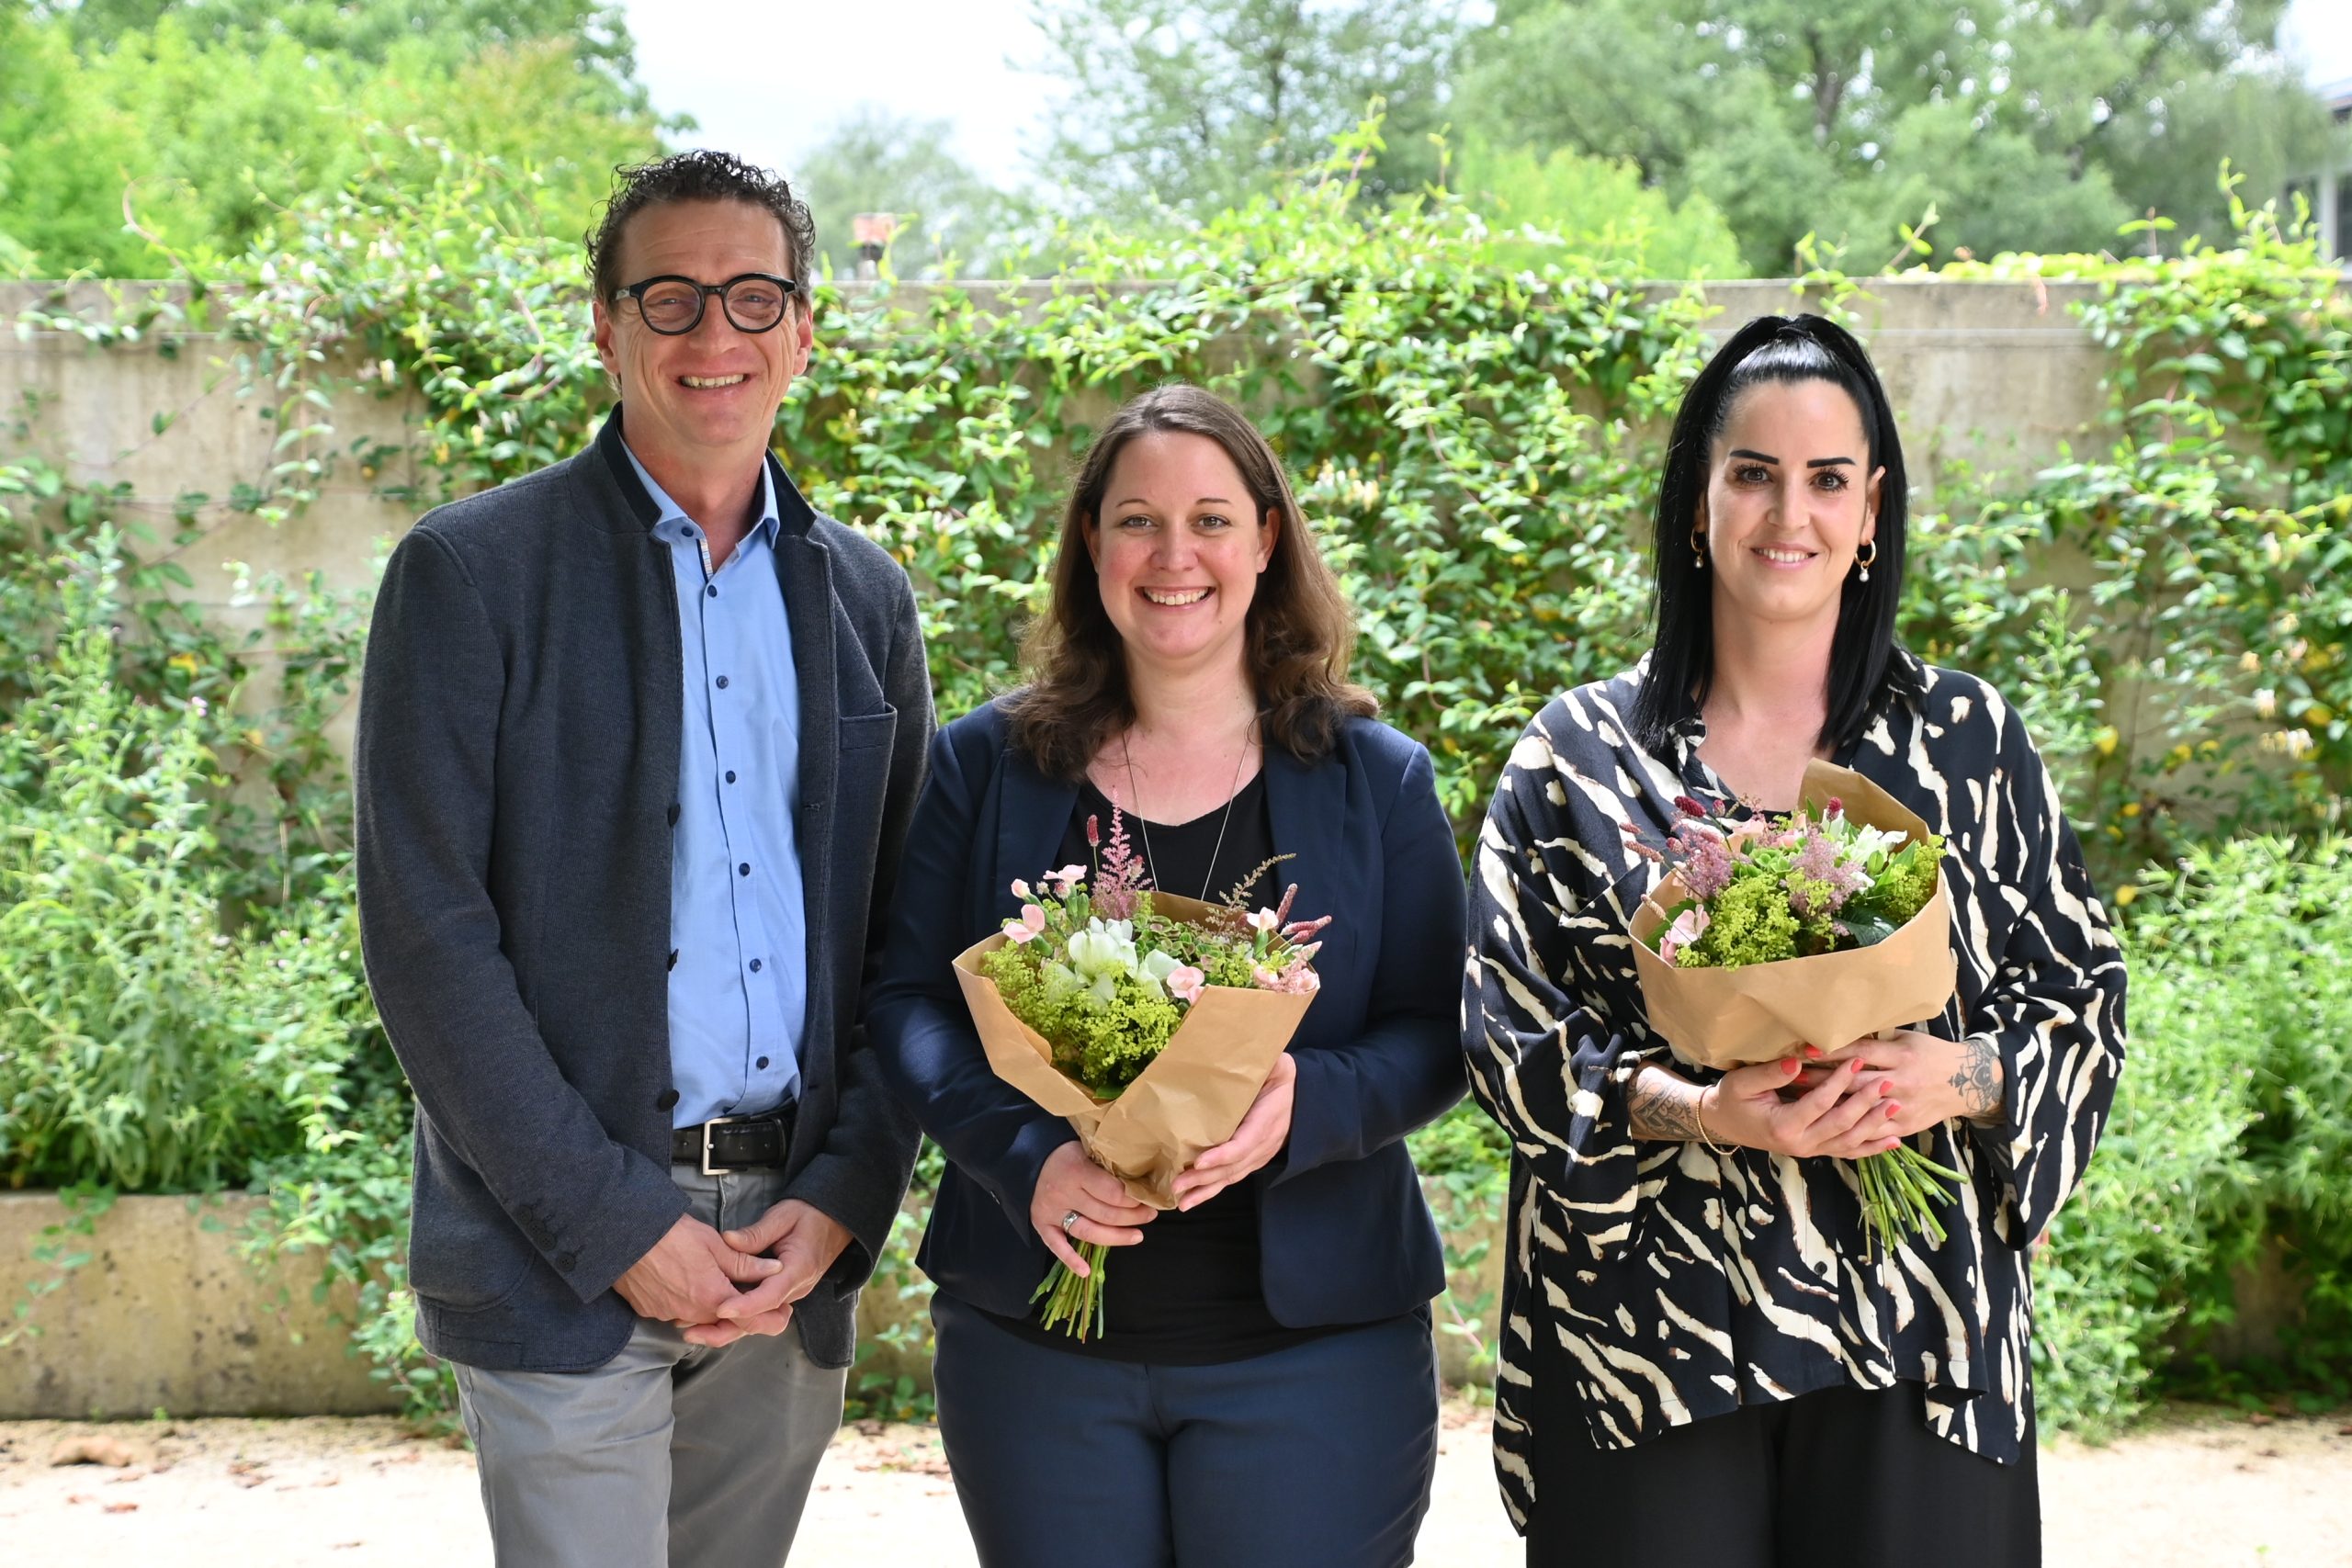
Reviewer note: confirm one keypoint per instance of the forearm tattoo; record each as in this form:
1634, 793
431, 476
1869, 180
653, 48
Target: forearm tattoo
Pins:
1660, 1105
1979, 1079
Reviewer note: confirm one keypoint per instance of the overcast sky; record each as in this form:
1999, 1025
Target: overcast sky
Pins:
768, 78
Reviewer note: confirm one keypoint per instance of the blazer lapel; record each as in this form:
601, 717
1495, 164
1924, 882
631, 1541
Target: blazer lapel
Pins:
1030, 815
1309, 810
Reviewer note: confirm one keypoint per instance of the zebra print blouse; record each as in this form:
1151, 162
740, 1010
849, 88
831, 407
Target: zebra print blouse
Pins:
1680, 1283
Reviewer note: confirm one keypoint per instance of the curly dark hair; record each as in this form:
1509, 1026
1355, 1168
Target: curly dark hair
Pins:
703, 175
1301, 630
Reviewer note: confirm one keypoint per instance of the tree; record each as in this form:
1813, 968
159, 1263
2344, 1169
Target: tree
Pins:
1193, 105
951, 221
2023, 124
451, 31
201, 132
1594, 208
63, 149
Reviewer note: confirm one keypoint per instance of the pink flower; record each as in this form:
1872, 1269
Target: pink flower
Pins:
1065, 879
1298, 980
1265, 921
1818, 863
1186, 983
1708, 869
1688, 927
1031, 923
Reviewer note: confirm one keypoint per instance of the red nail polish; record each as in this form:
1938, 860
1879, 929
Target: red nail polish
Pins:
1893, 1107
1788, 1066
1885, 1088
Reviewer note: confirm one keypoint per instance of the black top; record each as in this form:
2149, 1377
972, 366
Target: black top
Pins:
1189, 1293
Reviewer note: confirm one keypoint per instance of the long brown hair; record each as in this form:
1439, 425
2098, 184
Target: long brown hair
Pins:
1300, 630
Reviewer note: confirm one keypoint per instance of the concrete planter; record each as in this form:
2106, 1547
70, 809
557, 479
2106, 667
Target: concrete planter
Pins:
167, 1314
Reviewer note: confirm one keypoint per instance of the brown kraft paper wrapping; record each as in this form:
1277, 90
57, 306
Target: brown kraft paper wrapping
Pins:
1730, 1018
1187, 1101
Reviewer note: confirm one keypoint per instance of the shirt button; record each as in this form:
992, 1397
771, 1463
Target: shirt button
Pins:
755, 965
743, 870
763, 1064
712, 591
731, 776
722, 683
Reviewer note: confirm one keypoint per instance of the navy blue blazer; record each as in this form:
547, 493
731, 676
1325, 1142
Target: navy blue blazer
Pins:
1346, 1235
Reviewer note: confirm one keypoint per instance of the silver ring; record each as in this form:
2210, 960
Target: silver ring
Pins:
1071, 1219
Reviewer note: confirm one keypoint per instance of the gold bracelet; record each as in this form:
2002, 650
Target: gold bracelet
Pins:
1700, 1122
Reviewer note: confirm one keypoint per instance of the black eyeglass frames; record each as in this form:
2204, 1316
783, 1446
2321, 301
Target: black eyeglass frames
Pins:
753, 301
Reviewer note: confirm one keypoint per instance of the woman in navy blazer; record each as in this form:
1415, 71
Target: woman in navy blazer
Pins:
1266, 1390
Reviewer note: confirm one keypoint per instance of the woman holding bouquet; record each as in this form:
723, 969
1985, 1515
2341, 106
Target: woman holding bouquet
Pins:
1704, 1359
1265, 1391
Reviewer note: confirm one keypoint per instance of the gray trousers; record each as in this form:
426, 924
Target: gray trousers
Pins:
670, 1453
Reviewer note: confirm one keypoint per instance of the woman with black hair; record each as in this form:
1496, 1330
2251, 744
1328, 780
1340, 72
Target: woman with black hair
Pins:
1704, 1361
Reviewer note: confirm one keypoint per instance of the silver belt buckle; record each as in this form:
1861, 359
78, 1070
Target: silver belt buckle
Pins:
708, 1169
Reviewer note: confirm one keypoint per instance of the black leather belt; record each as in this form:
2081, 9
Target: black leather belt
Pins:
735, 1143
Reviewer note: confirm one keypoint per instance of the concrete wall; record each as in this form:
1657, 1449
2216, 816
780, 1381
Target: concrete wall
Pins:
1998, 374
167, 1314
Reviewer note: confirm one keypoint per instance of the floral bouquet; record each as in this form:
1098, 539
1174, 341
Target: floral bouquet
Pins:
1151, 1022
1819, 927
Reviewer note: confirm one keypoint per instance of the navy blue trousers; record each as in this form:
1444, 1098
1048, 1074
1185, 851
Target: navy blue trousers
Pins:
1320, 1456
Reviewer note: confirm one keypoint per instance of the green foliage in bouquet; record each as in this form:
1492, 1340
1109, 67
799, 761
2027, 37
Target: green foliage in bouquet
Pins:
1768, 889
1101, 1046
1902, 884
1751, 923
1105, 980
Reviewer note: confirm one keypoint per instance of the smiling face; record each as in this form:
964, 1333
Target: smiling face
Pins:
1790, 502
709, 395
1178, 545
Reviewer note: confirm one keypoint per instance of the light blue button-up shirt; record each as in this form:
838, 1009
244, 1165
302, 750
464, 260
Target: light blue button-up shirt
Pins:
739, 990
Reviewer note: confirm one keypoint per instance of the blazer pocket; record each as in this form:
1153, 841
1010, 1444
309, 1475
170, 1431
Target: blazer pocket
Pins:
856, 732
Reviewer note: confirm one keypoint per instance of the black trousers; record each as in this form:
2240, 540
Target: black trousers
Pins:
1319, 1456
1842, 1478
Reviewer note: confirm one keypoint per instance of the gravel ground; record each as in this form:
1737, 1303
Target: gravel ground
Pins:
2199, 1490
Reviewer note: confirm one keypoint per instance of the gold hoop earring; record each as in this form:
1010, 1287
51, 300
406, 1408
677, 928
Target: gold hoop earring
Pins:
1867, 561
1699, 547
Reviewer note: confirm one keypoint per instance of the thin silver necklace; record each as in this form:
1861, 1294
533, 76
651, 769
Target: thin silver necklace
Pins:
1128, 757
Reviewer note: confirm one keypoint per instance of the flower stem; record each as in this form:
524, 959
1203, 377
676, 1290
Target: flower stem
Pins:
1901, 1190
1074, 1304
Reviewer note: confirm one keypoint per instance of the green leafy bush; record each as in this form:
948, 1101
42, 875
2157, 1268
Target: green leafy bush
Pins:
141, 1046
2231, 1134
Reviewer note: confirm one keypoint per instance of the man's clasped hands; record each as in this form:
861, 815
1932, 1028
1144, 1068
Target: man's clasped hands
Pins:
721, 1285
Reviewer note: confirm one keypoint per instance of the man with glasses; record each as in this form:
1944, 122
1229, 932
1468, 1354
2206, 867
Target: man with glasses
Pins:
640, 739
